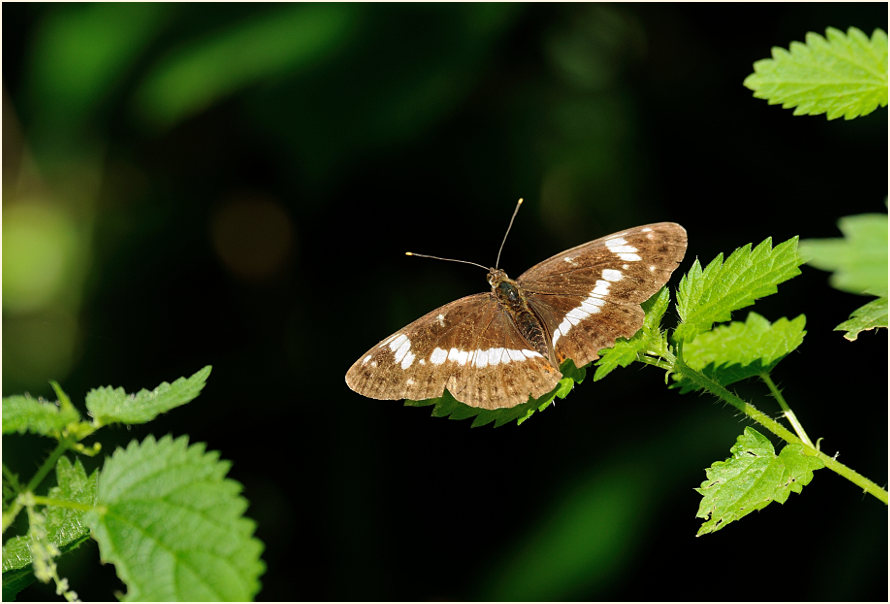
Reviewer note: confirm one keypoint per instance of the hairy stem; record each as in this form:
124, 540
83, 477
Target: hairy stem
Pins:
789, 414
706, 383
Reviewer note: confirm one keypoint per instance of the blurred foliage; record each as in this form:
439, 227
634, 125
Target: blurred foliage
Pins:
236, 184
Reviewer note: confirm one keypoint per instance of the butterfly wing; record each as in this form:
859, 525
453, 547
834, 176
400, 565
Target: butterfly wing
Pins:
469, 346
590, 295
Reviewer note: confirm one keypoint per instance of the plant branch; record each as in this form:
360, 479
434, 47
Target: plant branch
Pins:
789, 414
706, 383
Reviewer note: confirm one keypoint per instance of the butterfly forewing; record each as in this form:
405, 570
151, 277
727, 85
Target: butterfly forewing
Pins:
589, 295
469, 346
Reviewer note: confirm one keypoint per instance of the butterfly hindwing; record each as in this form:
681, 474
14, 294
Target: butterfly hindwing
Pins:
469, 346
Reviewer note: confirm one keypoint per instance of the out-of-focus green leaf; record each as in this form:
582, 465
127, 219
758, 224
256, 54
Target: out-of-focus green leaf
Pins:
577, 542
82, 51
858, 260
110, 405
868, 316
21, 413
286, 38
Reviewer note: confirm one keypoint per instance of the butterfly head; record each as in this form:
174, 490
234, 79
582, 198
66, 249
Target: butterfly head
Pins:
496, 276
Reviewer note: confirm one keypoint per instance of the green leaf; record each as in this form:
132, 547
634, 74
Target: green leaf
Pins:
751, 479
649, 338
172, 524
845, 75
708, 296
21, 413
448, 406
65, 527
870, 316
734, 352
109, 405
858, 260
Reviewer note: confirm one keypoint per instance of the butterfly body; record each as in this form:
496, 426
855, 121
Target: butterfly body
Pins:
511, 298
497, 349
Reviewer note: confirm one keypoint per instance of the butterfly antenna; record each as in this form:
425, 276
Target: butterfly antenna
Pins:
497, 262
445, 259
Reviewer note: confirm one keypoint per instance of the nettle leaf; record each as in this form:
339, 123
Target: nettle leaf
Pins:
858, 260
845, 75
111, 405
448, 406
173, 525
751, 479
21, 413
869, 316
649, 338
65, 527
709, 296
737, 351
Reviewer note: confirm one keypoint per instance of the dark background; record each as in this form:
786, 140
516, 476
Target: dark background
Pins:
236, 185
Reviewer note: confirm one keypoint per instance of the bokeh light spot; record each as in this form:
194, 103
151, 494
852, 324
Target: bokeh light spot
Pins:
253, 237
40, 250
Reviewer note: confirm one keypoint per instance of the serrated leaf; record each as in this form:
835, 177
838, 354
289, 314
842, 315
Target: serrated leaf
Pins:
869, 316
845, 75
650, 337
65, 527
751, 479
21, 413
858, 260
448, 406
737, 351
173, 525
111, 405
709, 296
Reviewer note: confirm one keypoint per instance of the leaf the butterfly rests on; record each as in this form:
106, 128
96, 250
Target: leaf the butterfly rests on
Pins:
498, 349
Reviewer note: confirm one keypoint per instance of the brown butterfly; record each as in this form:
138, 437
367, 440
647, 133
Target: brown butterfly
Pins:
499, 348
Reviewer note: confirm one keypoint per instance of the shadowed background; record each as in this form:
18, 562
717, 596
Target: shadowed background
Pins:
236, 185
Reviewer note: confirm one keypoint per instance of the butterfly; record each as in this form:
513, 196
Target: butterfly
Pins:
498, 349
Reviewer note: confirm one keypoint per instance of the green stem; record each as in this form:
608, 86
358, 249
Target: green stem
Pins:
63, 503
789, 414
48, 465
45, 468
778, 429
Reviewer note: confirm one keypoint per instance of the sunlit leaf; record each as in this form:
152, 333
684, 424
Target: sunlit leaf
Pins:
173, 525
845, 75
751, 479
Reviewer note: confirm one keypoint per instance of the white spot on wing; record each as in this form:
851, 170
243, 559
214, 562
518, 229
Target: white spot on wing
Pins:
397, 340
630, 257
441, 319
406, 362
403, 350
438, 356
610, 274
366, 359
